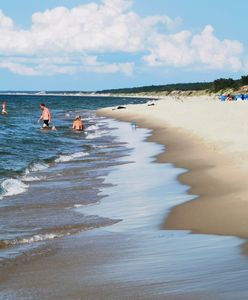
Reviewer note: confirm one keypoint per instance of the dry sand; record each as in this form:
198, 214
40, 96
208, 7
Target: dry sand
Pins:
209, 138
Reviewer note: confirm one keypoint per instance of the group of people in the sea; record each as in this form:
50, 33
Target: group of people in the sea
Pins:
46, 116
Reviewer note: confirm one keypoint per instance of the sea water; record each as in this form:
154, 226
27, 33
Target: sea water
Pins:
105, 178
43, 174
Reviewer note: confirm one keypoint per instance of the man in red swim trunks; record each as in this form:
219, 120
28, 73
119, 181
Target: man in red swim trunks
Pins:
45, 116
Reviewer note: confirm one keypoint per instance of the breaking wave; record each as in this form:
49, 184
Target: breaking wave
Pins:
12, 187
69, 157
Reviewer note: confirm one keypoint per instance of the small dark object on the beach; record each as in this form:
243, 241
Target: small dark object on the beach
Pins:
151, 103
119, 107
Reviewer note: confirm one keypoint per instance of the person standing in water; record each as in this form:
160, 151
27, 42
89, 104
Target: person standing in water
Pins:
45, 116
4, 109
78, 124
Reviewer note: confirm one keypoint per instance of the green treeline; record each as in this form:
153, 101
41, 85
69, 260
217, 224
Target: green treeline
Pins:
214, 86
229, 83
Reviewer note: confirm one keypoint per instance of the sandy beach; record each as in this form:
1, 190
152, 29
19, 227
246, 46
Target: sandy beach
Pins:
141, 246
209, 139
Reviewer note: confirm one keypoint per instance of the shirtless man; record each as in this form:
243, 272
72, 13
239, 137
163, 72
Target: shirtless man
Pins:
4, 110
45, 116
78, 124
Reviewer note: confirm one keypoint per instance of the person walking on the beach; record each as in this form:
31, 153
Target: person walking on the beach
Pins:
45, 116
78, 124
4, 109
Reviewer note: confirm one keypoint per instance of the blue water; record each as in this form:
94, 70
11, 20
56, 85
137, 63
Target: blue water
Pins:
44, 174
131, 259
61, 183
24, 144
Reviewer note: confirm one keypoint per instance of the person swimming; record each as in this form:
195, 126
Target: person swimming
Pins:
45, 116
4, 108
78, 124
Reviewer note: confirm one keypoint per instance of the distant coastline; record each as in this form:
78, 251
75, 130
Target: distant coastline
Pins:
215, 88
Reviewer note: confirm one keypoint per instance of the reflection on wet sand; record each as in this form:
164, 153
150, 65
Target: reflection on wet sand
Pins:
134, 258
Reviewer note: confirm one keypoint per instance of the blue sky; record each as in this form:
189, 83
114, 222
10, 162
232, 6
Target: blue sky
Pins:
94, 45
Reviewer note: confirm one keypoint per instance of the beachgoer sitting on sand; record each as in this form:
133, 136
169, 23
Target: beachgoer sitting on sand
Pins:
4, 109
78, 124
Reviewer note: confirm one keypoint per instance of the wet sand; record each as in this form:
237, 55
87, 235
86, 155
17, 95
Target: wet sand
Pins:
134, 259
208, 138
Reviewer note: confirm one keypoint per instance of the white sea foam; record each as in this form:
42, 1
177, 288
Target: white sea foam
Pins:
93, 127
39, 238
29, 178
32, 239
95, 135
83, 205
38, 167
77, 205
69, 157
101, 146
88, 118
34, 168
13, 187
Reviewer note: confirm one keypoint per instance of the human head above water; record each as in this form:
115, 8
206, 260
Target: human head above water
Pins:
42, 105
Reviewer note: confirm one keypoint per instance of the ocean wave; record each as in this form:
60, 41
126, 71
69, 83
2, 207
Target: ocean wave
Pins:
13, 187
55, 233
29, 240
77, 205
101, 146
95, 135
88, 118
93, 127
30, 178
38, 167
69, 157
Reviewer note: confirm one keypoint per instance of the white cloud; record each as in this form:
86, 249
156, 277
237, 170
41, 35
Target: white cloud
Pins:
5, 22
171, 50
214, 53
67, 41
63, 65
18, 68
201, 50
91, 64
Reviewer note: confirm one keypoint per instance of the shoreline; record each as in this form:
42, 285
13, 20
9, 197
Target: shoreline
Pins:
132, 259
215, 178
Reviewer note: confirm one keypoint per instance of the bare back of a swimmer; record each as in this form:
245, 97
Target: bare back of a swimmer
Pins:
78, 124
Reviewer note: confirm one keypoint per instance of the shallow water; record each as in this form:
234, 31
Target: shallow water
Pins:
24, 147
43, 175
130, 258
162, 263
